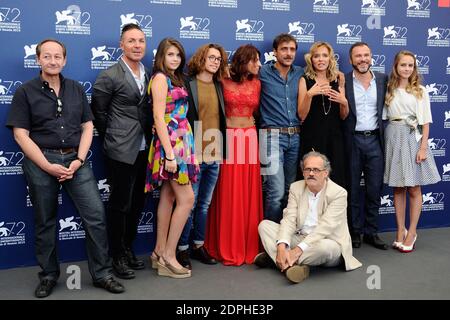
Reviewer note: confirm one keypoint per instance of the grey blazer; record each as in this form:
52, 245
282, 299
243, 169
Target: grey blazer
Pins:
122, 115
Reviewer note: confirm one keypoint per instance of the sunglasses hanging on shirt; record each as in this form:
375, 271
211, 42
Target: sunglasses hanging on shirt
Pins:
59, 107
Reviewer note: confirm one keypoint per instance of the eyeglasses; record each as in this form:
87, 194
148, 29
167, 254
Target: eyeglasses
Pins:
215, 59
59, 107
314, 170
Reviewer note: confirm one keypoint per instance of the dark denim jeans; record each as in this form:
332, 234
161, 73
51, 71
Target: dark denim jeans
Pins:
367, 157
203, 191
280, 162
83, 191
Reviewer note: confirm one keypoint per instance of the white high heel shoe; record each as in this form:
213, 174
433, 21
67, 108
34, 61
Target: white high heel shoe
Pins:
406, 249
397, 244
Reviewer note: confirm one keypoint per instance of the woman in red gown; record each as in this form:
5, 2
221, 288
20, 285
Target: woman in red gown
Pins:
236, 208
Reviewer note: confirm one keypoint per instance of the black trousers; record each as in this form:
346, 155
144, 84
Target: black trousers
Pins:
126, 201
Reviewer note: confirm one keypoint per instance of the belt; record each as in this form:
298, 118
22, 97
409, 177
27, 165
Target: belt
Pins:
60, 151
286, 130
367, 132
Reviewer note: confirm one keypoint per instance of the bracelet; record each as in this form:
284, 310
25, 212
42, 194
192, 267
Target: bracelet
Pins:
170, 159
81, 160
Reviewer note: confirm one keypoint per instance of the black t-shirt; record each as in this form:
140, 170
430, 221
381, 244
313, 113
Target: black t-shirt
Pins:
34, 108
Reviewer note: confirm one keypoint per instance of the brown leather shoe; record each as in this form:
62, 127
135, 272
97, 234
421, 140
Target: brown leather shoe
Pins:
297, 273
263, 260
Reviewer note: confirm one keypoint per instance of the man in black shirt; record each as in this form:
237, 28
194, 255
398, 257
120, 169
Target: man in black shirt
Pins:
52, 124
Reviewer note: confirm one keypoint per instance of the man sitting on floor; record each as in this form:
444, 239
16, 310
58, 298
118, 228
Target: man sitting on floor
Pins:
314, 230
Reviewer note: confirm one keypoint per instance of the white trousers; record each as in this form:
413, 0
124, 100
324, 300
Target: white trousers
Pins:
324, 252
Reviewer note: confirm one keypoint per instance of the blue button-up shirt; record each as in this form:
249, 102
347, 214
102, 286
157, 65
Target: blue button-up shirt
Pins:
366, 105
278, 106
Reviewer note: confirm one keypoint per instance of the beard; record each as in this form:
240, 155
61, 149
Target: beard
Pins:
355, 67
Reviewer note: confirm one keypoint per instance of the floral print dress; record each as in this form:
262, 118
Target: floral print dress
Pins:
181, 138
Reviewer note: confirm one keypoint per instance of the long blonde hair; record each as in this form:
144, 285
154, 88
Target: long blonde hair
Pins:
414, 79
332, 71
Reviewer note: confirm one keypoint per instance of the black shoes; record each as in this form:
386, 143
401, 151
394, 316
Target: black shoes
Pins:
109, 284
133, 262
356, 240
375, 241
263, 260
202, 255
183, 259
45, 287
121, 268
199, 254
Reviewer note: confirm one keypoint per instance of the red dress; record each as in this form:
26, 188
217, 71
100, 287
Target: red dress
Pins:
236, 208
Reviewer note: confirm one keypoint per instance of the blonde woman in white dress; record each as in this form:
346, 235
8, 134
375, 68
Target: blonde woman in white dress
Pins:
409, 161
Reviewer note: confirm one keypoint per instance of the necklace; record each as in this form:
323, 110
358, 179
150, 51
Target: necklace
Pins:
323, 105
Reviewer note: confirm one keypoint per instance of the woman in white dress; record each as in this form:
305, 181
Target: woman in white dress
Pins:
409, 161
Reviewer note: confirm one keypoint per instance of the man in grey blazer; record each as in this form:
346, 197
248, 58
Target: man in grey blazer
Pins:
122, 111
313, 231
364, 143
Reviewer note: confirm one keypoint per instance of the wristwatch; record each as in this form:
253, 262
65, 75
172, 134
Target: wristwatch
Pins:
81, 160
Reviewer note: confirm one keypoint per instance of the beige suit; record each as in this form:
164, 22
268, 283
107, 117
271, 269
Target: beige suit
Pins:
330, 238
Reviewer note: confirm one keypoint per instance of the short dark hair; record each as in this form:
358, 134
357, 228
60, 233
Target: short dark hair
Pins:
129, 26
39, 46
283, 37
357, 44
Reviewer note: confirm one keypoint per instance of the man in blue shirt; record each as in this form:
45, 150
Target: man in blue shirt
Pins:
280, 124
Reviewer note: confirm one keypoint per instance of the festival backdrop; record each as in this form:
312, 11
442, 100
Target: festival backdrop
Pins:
91, 29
